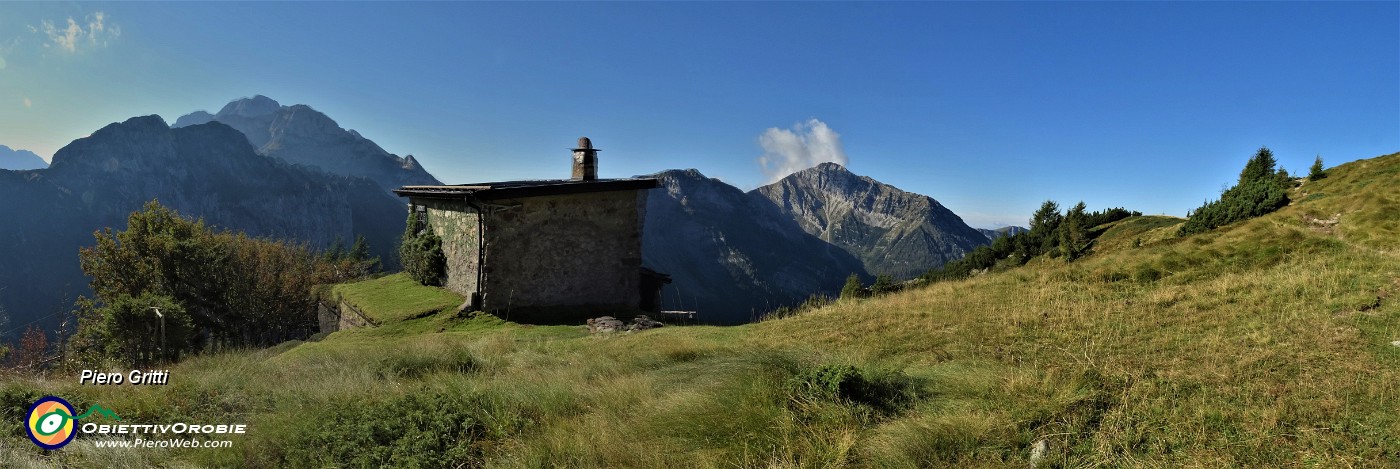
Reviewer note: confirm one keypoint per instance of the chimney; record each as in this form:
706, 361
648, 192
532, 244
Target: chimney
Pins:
585, 161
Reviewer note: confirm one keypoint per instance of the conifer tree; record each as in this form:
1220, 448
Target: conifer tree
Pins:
1261, 190
884, 283
1260, 167
852, 289
1044, 224
421, 253
359, 251
1316, 171
1074, 233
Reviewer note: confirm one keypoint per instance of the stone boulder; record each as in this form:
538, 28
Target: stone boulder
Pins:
604, 324
609, 324
642, 322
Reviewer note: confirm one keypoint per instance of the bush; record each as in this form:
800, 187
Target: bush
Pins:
886, 393
1261, 190
1146, 273
419, 429
15, 399
131, 330
421, 253
1238, 203
413, 364
238, 291
1050, 233
884, 283
813, 302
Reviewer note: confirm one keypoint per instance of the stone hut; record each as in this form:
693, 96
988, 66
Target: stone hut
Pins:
546, 251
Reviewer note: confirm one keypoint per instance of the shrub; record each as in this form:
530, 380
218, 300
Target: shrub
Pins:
1050, 232
421, 253
884, 283
15, 398
886, 393
418, 429
813, 302
131, 330
414, 364
238, 290
1261, 190
1146, 273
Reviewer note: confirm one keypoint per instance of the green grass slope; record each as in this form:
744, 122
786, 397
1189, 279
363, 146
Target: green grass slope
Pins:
1262, 344
394, 298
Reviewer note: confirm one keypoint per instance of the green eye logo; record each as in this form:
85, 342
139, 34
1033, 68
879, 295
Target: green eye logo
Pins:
50, 421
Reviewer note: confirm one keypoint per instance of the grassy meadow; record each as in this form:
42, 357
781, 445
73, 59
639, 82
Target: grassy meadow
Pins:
1266, 343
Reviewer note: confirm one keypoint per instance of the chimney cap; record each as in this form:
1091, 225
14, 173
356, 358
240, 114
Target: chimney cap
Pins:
585, 144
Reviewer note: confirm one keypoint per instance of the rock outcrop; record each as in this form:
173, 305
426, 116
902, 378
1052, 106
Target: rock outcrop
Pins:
609, 324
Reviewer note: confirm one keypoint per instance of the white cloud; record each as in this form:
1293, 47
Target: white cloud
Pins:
72, 36
98, 30
807, 144
27, 103
65, 38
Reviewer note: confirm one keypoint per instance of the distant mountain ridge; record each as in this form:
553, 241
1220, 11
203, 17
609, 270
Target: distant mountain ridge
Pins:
993, 234
301, 135
291, 172
734, 255
208, 170
20, 160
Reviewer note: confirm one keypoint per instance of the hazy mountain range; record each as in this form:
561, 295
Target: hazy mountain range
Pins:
19, 160
208, 170
301, 135
291, 172
993, 234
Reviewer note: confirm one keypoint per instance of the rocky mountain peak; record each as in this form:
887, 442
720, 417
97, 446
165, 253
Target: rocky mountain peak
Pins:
303, 121
691, 174
890, 230
732, 255
830, 177
193, 118
256, 106
115, 138
302, 135
143, 147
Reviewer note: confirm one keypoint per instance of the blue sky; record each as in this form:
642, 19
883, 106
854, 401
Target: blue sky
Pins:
990, 108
